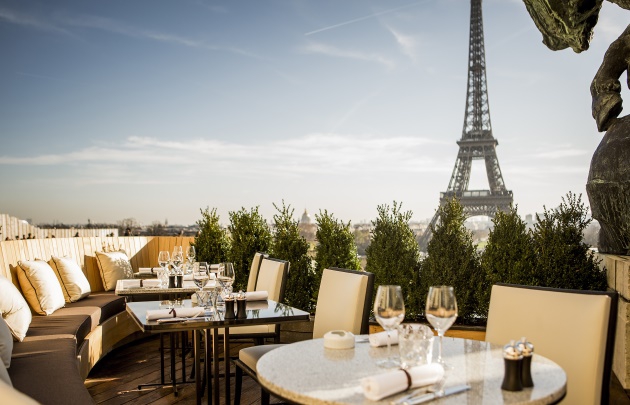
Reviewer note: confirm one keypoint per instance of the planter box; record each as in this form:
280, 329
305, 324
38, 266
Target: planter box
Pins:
298, 331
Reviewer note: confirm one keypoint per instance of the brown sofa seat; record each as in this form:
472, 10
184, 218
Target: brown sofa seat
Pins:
46, 370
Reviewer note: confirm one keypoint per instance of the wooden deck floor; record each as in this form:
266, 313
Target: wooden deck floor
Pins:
114, 380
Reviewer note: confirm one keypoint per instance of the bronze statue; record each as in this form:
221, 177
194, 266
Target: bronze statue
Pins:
570, 23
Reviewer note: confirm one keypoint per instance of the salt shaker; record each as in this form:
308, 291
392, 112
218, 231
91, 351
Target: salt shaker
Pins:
229, 307
527, 349
513, 359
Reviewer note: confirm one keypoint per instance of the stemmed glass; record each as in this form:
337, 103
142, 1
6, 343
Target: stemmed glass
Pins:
200, 279
190, 254
177, 258
163, 259
389, 311
441, 312
226, 276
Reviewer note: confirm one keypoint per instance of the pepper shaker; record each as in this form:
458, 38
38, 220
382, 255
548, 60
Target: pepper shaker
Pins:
241, 306
527, 349
229, 307
513, 359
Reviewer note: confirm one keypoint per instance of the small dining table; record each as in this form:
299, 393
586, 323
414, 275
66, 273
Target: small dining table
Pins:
258, 313
308, 373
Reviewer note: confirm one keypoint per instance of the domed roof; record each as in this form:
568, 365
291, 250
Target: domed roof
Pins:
306, 219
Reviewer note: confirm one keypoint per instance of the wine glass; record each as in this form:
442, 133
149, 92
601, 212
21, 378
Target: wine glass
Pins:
200, 279
226, 276
441, 312
389, 311
163, 259
190, 254
177, 258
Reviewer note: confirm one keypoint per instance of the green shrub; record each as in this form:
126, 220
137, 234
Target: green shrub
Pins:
249, 234
289, 245
563, 260
452, 259
509, 255
211, 244
335, 246
393, 254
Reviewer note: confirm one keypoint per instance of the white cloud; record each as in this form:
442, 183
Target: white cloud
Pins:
407, 44
329, 50
144, 159
30, 21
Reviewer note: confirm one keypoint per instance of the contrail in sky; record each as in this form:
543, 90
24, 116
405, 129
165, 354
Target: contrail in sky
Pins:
364, 18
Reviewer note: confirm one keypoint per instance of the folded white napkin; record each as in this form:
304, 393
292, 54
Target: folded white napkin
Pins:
188, 284
383, 385
188, 277
149, 270
380, 339
155, 314
256, 295
126, 284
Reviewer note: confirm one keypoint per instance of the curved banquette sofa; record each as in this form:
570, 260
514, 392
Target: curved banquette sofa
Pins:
58, 350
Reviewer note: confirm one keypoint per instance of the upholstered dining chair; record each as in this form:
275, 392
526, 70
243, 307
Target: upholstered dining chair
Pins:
343, 303
253, 271
271, 277
576, 329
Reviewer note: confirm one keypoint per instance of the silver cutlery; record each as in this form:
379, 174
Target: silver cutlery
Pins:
437, 394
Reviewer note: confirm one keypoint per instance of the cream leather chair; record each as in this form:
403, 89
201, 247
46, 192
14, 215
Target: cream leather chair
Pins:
253, 271
271, 276
576, 329
343, 303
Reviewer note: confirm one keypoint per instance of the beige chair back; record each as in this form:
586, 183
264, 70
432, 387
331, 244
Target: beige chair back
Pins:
573, 328
272, 276
253, 271
344, 301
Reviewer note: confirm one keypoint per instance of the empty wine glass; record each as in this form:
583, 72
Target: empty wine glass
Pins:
226, 276
200, 278
177, 258
441, 312
389, 311
190, 254
163, 260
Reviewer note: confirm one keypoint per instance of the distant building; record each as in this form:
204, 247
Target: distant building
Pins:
306, 219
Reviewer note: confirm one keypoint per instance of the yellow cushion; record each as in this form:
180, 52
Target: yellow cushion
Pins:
113, 266
568, 328
270, 278
14, 309
40, 286
73, 282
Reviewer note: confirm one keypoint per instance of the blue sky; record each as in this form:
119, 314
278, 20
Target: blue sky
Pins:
154, 109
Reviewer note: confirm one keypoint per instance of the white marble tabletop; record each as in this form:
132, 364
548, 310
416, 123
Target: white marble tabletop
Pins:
307, 373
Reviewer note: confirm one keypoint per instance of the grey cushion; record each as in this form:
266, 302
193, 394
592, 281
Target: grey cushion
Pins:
6, 343
4, 375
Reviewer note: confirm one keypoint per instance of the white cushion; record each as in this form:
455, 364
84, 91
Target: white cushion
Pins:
340, 289
6, 343
14, 309
113, 266
40, 286
73, 282
251, 355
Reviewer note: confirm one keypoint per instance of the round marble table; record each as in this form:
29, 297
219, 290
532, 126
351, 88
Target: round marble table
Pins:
307, 373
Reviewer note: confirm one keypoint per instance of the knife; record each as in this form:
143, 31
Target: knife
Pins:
433, 395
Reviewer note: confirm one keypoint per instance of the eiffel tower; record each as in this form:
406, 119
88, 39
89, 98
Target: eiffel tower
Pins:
477, 141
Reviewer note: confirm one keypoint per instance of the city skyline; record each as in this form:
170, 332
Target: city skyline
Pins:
156, 109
